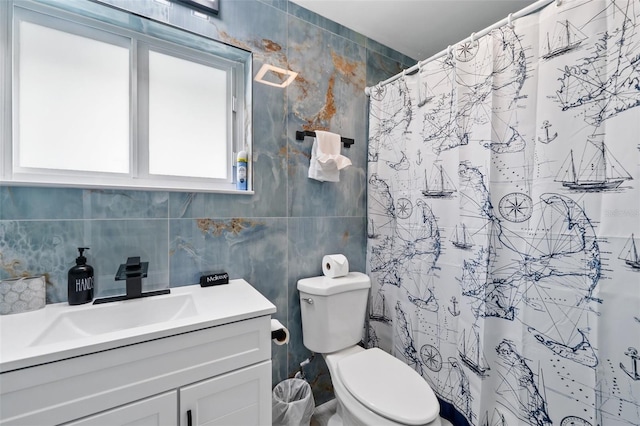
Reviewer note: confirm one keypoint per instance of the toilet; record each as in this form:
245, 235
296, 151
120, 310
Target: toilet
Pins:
371, 386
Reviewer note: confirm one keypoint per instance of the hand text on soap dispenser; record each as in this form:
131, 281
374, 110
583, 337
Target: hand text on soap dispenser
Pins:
80, 281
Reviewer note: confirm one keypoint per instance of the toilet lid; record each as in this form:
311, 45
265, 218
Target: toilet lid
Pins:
388, 387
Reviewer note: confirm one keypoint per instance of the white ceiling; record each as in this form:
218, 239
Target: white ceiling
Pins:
417, 28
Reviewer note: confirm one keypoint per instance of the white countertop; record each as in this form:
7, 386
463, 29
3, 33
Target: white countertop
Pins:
21, 335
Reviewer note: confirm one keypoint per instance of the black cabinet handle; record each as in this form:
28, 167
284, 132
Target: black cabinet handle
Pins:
189, 421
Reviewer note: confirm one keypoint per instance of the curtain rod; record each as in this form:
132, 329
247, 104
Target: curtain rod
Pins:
472, 38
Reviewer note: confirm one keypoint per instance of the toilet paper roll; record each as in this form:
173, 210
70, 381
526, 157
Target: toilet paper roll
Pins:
335, 265
279, 333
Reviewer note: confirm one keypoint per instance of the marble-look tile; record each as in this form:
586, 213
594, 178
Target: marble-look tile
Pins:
309, 240
327, 96
27, 203
112, 15
405, 60
333, 76
122, 204
46, 247
111, 242
280, 4
33, 203
256, 27
318, 374
381, 67
253, 26
252, 249
50, 248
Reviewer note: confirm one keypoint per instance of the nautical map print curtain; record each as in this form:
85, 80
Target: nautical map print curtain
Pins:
504, 219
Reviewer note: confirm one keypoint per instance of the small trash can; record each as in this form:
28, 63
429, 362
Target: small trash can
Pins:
292, 403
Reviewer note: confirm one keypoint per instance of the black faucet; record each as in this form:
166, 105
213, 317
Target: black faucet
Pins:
133, 272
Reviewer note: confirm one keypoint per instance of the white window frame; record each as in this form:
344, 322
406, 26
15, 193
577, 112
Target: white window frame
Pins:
235, 62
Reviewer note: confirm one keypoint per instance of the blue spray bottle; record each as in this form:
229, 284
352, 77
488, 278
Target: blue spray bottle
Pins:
241, 171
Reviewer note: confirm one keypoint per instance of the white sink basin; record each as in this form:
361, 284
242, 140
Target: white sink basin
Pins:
117, 316
60, 331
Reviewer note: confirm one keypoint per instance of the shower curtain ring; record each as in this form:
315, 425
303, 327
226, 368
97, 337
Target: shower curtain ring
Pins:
448, 51
510, 20
558, 2
473, 38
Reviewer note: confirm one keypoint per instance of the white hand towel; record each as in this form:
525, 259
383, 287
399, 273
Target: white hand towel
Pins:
326, 161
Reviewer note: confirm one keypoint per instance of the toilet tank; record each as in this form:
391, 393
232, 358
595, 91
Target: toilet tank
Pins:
333, 311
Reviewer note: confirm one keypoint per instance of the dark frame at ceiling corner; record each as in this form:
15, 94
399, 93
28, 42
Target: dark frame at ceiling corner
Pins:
205, 6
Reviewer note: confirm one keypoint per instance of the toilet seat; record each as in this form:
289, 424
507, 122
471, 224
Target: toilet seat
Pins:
388, 387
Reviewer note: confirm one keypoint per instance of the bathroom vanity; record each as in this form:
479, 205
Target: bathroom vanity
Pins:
195, 356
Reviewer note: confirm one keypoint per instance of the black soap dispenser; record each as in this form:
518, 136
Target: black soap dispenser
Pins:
80, 281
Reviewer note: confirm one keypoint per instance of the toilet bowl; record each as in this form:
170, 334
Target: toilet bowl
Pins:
371, 386
374, 388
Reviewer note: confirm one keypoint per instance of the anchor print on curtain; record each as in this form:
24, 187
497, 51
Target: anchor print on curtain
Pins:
504, 217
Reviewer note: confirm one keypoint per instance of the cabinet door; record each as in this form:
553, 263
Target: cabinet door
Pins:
242, 398
161, 410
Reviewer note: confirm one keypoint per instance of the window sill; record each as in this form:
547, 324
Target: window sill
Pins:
144, 186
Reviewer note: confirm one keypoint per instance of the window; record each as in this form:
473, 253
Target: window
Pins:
96, 104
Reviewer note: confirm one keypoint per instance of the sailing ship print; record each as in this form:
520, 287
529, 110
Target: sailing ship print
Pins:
629, 253
379, 309
371, 230
565, 38
425, 95
470, 354
497, 419
600, 172
440, 186
461, 238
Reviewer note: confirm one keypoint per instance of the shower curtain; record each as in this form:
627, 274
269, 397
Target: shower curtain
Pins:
504, 219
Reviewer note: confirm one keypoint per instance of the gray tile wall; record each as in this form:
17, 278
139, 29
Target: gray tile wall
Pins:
272, 238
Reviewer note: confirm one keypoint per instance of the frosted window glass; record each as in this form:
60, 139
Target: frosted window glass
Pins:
65, 78
187, 118
104, 98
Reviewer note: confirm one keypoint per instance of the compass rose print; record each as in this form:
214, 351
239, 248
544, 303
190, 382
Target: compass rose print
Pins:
378, 92
404, 208
431, 357
516, 207
574, 421
467, 51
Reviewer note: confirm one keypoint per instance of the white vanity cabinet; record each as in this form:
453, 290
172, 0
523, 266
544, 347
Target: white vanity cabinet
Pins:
235, 398
158, 410
214, 370
231, 399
